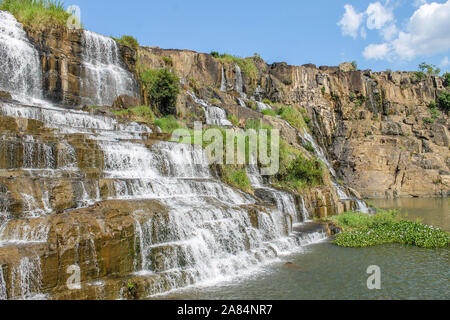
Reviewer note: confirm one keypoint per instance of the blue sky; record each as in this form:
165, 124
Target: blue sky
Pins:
377, 34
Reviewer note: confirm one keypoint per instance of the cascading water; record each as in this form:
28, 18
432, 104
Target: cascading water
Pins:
104, 76
239, 82
20, 69
214, 115
3, 294
223, 81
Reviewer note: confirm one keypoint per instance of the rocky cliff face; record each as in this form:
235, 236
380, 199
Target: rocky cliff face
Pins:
374, 127
138, 215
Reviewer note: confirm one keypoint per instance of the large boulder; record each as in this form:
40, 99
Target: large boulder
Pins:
125, 102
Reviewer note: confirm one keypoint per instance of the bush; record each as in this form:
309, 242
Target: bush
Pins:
444, 101
128, 41
300, 172
37, 13
355, 65
236, 177
446, 77
162, 87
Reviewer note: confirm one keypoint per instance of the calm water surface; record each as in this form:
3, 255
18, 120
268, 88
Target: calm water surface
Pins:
331, 272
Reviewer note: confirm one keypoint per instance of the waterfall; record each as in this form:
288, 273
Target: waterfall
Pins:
223, 82
3, 294
242, 102
262, 106
213, 114
307, 138
20, 69
29, 272
104, 76
239, 82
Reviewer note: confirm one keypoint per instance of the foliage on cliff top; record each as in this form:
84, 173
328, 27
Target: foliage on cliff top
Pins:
247, 65
446, 77
362, 230
128, 41
37, 13
162, 87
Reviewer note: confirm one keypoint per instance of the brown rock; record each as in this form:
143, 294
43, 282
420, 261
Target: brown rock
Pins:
125, 102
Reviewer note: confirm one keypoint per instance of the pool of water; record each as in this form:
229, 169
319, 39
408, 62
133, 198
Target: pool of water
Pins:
326, 271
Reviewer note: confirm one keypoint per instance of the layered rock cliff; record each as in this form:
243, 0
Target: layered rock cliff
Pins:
374, 126
80, 186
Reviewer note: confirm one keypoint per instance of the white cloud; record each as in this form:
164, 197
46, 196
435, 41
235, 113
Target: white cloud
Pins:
363, 33
445, 62
376, 51
351, 21
378, 16
427, 32
389, 32
418, 3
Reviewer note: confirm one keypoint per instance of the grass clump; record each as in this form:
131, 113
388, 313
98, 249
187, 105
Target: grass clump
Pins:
37, 13
292, 116
128, 41
161, 88
167, 124
236, 177
300, 173
137, 114
362, 230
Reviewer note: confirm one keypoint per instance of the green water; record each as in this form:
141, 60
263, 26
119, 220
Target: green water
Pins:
331, 272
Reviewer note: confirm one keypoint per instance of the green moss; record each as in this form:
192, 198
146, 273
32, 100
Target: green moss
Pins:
37, 13
269, 112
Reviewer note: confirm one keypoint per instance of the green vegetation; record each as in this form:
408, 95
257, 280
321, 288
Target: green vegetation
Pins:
446, 77
444, 101
426, 69
355, 65
292, 116
434, 110
301, 172
429, 69
162, 88
247, 65
323, 90
168, 124
37, 13
234, 120
269, 112
138, 114
127, 41
361, 230
236, 176
168, 61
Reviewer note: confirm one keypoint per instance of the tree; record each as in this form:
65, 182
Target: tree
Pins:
446, 77
429, 69
162, 87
